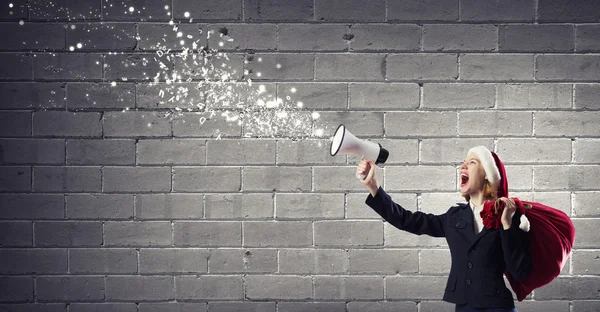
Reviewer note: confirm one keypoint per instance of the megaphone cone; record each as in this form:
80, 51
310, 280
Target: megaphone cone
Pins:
345, 142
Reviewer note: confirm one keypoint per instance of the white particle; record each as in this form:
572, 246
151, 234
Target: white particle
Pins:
260, 59
179, 34
315, 115
278, 65
293, 90
261, 89
10, 5
97, 62
21, 22
71, 48
72, 26
171, 23
79, 45
131, 9
258, 74
182, 42
149, 125
113, 84
319, 132
300, 104
166, 7
186, 14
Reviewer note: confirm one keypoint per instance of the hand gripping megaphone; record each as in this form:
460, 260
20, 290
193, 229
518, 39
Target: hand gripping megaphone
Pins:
345, 142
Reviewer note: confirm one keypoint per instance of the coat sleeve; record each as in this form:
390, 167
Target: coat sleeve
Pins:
515, 245
413, 222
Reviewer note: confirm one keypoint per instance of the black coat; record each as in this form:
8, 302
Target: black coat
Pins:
478, 260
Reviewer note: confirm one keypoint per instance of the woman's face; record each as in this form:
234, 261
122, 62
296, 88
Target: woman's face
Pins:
472, 175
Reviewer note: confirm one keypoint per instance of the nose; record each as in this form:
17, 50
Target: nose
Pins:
463, 166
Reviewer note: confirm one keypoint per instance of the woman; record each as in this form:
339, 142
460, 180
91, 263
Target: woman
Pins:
479, 255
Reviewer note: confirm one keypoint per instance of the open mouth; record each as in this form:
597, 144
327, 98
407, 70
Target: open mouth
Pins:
464, 178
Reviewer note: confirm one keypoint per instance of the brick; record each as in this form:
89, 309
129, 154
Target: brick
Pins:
67, 179
419, 10
103, 36
239, 206
99, 206
16, 66
421, 67
147, 233
541, 306
577, 177
586, 96
134, 67
15, 179
434, 261
536, 38
100, 95
23, 95
294, 152
16, 288
136, 124
569, 288
309, 206
301, 37
243, 261
587, 38
504, 123
210, 287
35, 307
163, 36
168, 206
278, 287
103, 261
32, 36
398, 238
272, 10
16, 234
169, 152
585, 306
567, 11
438, 203
173, 260
350, 67
67, 233
583, 204
346, 233
245, 37
383, 96
458, 95
143, 11
509, 67
348, 10
245, 306
206, 179
278, 234
32, 206
172, 307
315, 95
521, 177
101, 152
15, 124
162, 95
585, 262
430, 178
357, 209
313, 261
450, 150
359, 123
367, 261
224, 67
294, 67
98, 307
140, 288
348, 287
33, 261
459, 37
208, 10
530, 96
64, 10
558, 200
414, 287
563, 124
419, 124
404, 151
311, 306
282, 179
328, 179
63, 66
535, 150
567, 67
137, 179
67, 124
207, 233
240, 152
386, 306
506, 11
586, 150
19, 10
71, 288
385, 37
32, 151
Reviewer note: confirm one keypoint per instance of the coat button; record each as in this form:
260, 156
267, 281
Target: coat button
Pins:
497, 292
468, 281
457, 224
470, 265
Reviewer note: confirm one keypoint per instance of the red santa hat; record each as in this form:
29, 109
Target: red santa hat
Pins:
496, 174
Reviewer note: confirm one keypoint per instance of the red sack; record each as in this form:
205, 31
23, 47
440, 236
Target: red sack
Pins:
552, 236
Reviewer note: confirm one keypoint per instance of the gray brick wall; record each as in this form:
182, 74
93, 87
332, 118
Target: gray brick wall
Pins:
122, 193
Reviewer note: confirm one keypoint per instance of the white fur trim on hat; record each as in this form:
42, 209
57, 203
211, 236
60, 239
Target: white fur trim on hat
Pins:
488, 163
524, 223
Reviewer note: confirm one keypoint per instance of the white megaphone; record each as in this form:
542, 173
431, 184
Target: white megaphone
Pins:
345, 142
